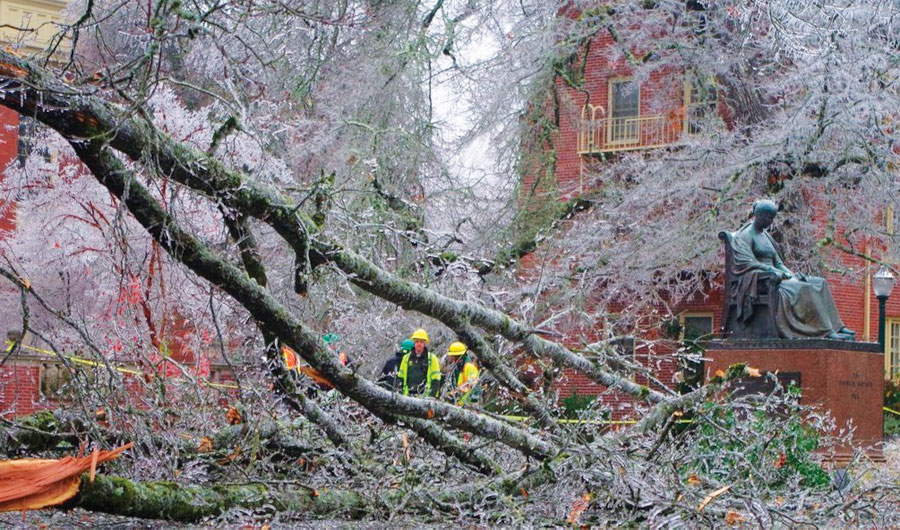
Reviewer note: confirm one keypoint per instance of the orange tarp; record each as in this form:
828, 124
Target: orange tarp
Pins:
31, 483
292, 362
290, 358
314, 374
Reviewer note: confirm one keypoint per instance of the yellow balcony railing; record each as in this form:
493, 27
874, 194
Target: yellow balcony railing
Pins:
604, 135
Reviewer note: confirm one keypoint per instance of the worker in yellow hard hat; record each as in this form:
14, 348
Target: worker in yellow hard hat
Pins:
420, 370
464, 374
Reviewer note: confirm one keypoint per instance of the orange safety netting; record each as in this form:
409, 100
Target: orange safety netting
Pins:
32, 483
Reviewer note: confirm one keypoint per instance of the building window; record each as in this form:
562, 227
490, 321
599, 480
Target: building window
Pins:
624, 111
53, 378
30, 141
26, 139
623, 345
700, 96
889, 220
696, 326
892, 348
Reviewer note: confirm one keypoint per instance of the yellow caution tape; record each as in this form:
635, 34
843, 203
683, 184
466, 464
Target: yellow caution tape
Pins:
567, 420
88, 362
627, 422
596, 422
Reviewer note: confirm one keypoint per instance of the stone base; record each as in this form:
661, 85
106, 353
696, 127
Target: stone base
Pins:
843, 377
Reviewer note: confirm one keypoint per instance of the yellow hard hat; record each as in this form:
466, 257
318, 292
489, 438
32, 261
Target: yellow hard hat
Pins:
456, 349
419, 334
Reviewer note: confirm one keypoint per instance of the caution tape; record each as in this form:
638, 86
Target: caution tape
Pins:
594, 422
88, 362
569, 420
625, 422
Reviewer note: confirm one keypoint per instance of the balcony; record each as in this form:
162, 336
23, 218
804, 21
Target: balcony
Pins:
607, 135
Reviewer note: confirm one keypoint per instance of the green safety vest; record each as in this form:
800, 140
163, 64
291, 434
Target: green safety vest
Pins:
432, 374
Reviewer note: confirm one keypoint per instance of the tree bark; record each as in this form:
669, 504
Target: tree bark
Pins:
190, 504
38, 432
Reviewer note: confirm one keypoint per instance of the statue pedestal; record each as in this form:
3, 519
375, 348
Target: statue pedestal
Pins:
846, 378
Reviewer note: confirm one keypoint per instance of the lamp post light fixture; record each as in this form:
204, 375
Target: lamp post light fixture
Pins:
882, 284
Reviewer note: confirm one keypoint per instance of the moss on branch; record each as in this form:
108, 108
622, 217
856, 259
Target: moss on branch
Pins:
190, 504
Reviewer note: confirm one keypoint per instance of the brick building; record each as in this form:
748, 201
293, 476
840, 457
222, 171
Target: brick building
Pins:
612, 111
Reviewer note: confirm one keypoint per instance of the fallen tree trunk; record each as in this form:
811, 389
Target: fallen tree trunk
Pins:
30, 89
33, 483
190, 504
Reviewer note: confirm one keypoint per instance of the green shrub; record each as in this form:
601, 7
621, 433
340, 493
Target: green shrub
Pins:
774, 446
575, 404
892, 394
892, 401
891, 424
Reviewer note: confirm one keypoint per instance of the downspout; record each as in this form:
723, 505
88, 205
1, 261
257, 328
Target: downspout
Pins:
867, 299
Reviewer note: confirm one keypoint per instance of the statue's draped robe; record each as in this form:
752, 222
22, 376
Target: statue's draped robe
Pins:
805, 308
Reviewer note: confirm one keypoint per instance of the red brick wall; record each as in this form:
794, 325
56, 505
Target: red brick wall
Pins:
657, 355
19, 390
9, 146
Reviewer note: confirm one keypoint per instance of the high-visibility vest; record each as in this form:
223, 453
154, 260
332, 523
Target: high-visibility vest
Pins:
432, 374
469, 373
467, 381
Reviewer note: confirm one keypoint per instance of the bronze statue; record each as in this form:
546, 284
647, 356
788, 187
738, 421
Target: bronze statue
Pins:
803, 307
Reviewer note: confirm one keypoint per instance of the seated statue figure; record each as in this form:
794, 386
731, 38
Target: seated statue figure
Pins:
805, 307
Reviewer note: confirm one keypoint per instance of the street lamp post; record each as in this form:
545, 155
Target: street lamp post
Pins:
882, 284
